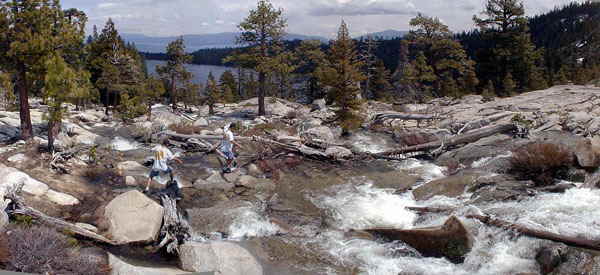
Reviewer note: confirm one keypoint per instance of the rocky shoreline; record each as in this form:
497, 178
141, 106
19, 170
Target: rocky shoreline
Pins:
267, 217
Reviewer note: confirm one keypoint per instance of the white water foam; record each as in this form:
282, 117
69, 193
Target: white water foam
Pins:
248, 223
362, 206
122, 144
495, 251
427, 171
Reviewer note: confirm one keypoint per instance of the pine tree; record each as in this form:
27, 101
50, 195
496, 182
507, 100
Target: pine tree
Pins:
228, 81
60, 84
504, 25
174, 70
454, 71
341, 72
489, 92
310, 56
30, 32
153, 89
381, 86
508, 85
263, 31
213, 94
6, 91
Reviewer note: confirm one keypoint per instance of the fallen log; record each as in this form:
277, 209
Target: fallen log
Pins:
451, 141
451, 240
175, 229
540, 234
379, 118
18, 206
424, 210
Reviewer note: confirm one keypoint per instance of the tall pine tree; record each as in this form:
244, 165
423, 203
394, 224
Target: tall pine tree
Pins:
174, 71
341, 73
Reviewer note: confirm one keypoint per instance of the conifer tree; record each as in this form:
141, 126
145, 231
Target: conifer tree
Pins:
508, 85
381, 86
263, 31
213, 94
153, 89
489, 92
504, 25
562, 77
6, 91
341, 72
227, 80
310, 55
60, 84
174, 71
30, 32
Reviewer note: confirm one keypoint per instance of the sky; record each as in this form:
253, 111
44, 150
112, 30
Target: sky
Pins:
310, 17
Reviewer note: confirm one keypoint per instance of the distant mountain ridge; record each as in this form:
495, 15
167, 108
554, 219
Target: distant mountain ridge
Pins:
194, 42
385, 35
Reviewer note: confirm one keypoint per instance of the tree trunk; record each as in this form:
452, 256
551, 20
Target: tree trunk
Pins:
149, 111
26, 127
540, 234
53, 131
211, 109
172, 95
452, 141
261, 93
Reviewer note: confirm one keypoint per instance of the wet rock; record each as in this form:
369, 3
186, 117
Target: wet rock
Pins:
410, 138
398, 180
254, 171
132, 168
451, 240
338, 152
490, 148
133, 217
247, 181
321, 132
130, 181
577, 261
500, 188
452, 186
550, 257
219, 257
18, 158
585, 154
121, 267
218, 218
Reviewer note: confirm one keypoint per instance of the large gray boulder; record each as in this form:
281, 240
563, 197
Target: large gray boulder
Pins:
452, 186
121, 267
133, 217
322, 132
222, 258
132, 168
218, 218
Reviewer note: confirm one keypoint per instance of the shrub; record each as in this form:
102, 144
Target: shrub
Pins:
42, 250
185, 128
541, 162
103, 175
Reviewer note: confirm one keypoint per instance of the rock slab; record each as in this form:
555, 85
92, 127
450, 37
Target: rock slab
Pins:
223, 258
133, 217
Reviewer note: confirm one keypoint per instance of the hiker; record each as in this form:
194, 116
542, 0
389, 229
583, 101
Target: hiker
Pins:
225, 150
162, 155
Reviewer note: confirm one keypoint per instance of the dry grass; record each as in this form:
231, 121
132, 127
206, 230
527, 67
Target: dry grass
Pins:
185, 128
42, 250
541, 162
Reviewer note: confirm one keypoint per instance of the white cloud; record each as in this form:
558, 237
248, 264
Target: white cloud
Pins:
312, 17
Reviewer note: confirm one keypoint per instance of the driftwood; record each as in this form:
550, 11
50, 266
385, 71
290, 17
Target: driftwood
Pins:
175, 228
18, 206
424, 210
379, 118
540, 234
451, 141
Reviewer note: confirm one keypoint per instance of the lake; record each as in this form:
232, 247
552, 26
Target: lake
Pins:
200, 71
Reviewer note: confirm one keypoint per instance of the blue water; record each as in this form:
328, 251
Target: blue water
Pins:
200, 72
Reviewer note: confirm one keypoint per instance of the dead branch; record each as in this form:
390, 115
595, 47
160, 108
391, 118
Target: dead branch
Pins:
379, 118
18, 206
451, 141
175, 228
540, 234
